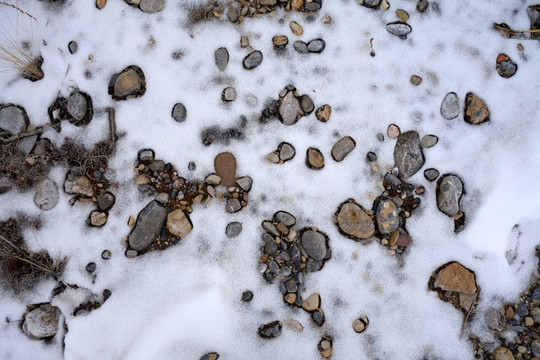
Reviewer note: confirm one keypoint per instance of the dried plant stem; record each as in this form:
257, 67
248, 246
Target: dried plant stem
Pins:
18, 9
469, 312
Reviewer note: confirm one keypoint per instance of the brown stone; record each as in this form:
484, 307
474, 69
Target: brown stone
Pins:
225, 165
455, 277
393, 131
100, 4
354, 221
296, 28
502, 353
360, 325
509, 313
476, 111
323, 113
98, 218
290, 298
297, 4
280, 41
178, 223
128, 83
404, 240
314, 159
312, 302
294, 325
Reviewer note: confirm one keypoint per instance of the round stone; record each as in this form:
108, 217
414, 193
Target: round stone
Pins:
354, 221
91, 267
286, 151
72, 46
450, 106
314, 243
225, 166
106, 255
387, 216
77, 106
233, 229
393, 131
128, 84
429, 141
300, 47
247, 296
179, 112
312, 302
46, 196
252, 60
221, 57
431, 174
314, 159
505, 66
416, 80
316, 46
296, 28
228, 94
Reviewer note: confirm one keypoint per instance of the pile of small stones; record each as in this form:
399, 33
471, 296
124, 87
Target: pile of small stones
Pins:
241, 9
165, 220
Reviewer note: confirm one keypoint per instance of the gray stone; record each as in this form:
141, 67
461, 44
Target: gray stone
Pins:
152, 6
146, 155
27, 143
79, 185
270, 228
387, 216
105, 201
285, 218
300, 47
306, 104
233, 205
506, 68
316, 46
42, 322
408, 155
535, 347
398, 29
270, 246
179, 112
491, 317
162, 198
314, 243
313, 5
268, 2
72, 46
130, 254
450, 106
91, 267
179, 223
228, 94
290, 110
270, 330
233, 229
429, 141
150, 221
354, 221
522, 310
372, 3
77, 106
431, 174
286, 151
47, 195
252, 60
244, 182
449, 191
342, 148
12, 119
106, 255
221, 57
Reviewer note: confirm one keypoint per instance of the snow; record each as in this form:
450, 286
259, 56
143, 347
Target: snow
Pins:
186, 301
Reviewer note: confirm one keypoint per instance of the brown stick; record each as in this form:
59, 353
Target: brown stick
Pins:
23, 135
18, 9
112, 125
469, 312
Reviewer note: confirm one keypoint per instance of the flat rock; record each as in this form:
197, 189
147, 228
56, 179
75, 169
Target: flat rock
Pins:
150, 221
314, 159
280, 41
476, 111
314, 243
290, 110
178, 223
316, 46
252, 60
455, 277
27, 143
431, 174
79, 185
429, 141
285, 218
152, 6
244, 182
221, 57
42, 322
286, 151
502, 353
233, 205
408, 155
77, 106
225, 166
399, 29
354, 221
342, 148
98, 218
450, 106
179, 112
129, 83
12, 119
46, 196
449, 191
233, 229
270, 330
387, 216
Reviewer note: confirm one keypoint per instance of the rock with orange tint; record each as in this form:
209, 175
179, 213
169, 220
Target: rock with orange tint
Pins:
455, 277
225, 165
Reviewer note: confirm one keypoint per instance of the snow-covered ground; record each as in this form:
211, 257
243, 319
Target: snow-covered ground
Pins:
186, 301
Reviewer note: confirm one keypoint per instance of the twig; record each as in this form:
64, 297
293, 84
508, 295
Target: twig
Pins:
18, 9
112, 125
22, 135
469, 312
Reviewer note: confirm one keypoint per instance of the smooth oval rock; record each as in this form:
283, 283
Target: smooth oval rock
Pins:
342, 148
42, 322
505, 66
354, 221
306, 104
130, 83
387, 216
300, 47
178, 223
431, 174
450, 106
77, 106
179, 112
152, 6
398, 29
221, 57
476, 111
233, 229
286, 151
285, 218
252, 60
150, 221
296, 28
225, 166
314, 159
449, 191
314, 243
228, 94
105, 201
429, 141
12, 119
408, 155
46, 196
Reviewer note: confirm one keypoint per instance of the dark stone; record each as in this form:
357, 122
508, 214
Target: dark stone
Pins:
105, 201
408, 155
179, 112
371, 156
91, 267
270, 246
316, 46
233, 229
449, 191
306, 104
252, 60
285, 218
314, 243
270, 330
150, 221
318, 317
300, 47
431, 174
72, 46
247, 296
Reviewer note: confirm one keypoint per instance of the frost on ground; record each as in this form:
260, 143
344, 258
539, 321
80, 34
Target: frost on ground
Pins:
403, 141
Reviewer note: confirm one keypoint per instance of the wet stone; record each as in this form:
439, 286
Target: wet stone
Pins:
247, 296
233, 229
387, 216
431, 174
252, 60
398, 29
270, 330
342, 148
42, 322
179, 112
402, 15
408, 155
450, 106
300, 47
150, 221
221, 57
314, 159
476, 111
354, 221
449, 191
316, 46
146, 155
314, 243
371, 156
429, 141
47, 195
77, 106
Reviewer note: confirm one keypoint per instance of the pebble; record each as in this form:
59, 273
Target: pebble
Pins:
146, 155
535, 347
221, 57
280, 41
402, 15
285, 218
371, 3
79, 185
502, 353
228, 94
247, 296
399, 29
387, 216
314, 243
98, 218
505, 66
91, 267
100, 4
73, 47
26, 144
314, 159
416, 80
316, 46
286, 151
323, 113
225, 166
42, 322
106, 255
296, 28
294, 325
152, 6
210, 356
244, 41
312, 302
233, 229
422, 5
360, 325
105, 201
306, 104
449, 191
313, 5
77, 106
290, 110
162, 198
47, 195
404, 240
431, 174
450, 106
149, 223
371, 156
476, 111
233, 205
408, 155
318, 317
178, 223
393, 131
455, 277
342, 148
252, 60
354, 221
429, 141
270, 330
245, 183
325, 347
12, 119
130, 254
130, 83
300, 47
